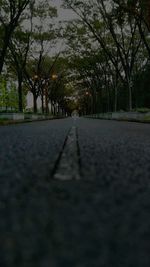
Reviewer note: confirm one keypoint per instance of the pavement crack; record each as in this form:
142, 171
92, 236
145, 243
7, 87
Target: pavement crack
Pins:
67, 166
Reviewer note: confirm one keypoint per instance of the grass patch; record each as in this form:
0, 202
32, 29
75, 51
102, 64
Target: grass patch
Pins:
142, 110
3, 119
146, 118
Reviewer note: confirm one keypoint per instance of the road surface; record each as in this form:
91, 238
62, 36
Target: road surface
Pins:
75, 193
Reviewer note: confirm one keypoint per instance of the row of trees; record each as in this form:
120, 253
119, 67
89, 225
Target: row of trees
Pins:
106, 59
28, 32
109, 46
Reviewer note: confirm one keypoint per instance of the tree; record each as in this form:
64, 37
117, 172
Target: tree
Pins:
140, 11
19, 48
124, 41
10, 15
43, 38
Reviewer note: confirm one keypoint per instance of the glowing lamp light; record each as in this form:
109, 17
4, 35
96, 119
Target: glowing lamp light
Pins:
54, 76
35, 77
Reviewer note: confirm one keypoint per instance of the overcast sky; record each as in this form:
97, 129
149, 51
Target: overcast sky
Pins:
63, 14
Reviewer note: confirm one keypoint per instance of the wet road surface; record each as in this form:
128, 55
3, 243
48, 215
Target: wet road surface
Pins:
99, 215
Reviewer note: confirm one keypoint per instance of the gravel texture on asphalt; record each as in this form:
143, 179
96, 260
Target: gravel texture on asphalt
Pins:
101, 220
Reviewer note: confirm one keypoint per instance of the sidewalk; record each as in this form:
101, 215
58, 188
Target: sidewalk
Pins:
5, 122
123, 116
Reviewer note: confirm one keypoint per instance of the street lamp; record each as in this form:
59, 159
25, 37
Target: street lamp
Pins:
54, 76
35, 77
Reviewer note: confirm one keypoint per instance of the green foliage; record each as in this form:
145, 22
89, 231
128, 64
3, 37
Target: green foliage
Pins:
3, 93
9, 95
143, 110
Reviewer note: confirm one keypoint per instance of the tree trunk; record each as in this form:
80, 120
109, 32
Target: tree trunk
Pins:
42, 100
58, 110
92, 102
54, 108
2, 58
116, 99
129, 95
99, 101
46, 101
3, 52
20, 104
7, 36
51, 108
34, 103
108, 98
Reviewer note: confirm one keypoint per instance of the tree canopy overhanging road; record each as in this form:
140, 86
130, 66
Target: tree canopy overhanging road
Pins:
99, 217
74, 192
95, 60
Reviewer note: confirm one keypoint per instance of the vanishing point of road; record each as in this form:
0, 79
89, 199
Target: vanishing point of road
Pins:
75, 193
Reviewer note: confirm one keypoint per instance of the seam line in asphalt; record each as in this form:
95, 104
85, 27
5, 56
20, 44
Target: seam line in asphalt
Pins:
67, 166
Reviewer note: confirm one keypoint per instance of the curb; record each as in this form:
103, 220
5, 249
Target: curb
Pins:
14, 122
124, 120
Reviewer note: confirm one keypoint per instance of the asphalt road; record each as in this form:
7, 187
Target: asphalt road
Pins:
98, 217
